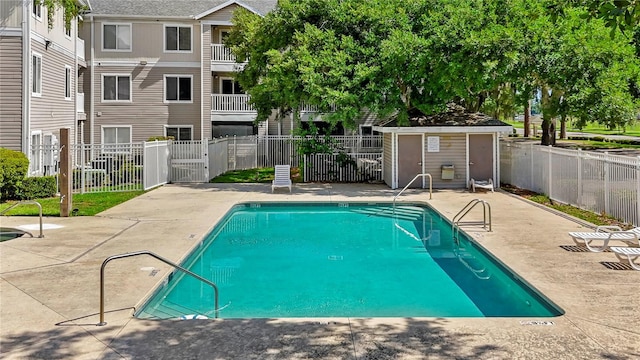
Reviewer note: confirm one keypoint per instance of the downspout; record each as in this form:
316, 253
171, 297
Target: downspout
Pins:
75, 81
26, 84
92, 85
202, 68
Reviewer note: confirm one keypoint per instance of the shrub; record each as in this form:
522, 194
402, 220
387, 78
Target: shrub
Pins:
13, 169
160, 138
38, 187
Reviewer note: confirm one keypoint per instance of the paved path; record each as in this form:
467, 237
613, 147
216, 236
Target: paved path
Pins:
49, 288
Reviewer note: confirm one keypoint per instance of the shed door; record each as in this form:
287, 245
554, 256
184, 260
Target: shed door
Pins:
481, 156
409, 159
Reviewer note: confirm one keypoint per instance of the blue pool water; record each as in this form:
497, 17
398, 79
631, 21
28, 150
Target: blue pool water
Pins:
343, 260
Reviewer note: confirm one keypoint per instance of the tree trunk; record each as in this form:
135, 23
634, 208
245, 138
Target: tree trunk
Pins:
527, 118
548, 129
563, 127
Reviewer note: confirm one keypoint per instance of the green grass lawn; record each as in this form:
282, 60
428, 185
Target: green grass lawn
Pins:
260, 175
86, 204
632, 130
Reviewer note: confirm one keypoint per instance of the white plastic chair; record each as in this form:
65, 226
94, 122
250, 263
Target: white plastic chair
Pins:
605, 234
282, 177
481, 184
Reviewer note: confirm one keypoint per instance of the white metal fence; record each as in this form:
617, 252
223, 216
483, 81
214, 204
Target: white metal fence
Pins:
344, 167
594, 181
103, 168
248, 152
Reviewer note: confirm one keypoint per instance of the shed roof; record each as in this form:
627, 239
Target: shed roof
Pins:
454, 119
172, 8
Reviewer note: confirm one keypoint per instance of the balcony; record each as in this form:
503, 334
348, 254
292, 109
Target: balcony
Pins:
80, 48
80, 102
223, 60
227, 103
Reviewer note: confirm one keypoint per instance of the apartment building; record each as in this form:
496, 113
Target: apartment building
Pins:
39, 65
163, 70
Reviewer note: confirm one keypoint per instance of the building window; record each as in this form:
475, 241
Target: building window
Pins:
116, 37
177, 88
36, 74
179, 133
67, 82
67, 28
229, 86
177, 38
116, 139
116, 87
35, 158
37, 9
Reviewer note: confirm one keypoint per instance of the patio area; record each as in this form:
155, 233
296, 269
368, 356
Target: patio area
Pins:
49, 287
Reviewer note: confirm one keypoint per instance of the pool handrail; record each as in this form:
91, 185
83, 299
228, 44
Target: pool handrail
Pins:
411, 182
28, 202
166, 261
455, 227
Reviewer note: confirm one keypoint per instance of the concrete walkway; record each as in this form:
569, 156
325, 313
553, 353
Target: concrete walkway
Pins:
49, 288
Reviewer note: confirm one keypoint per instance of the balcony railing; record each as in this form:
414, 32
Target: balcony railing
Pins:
221, 53
80, 103
231, 103
80, 48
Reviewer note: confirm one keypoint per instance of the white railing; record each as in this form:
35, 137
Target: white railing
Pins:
80, 103
593, 181
80, 48
221, 53
231, 103
248, 152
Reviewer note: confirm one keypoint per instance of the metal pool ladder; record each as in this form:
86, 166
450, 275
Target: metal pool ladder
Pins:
409, 184
486, 209
168, 262
28, 202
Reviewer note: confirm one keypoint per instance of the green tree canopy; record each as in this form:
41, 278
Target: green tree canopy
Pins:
392, 56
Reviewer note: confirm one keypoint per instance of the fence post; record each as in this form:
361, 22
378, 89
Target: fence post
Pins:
606, 182
637, 191
83, 162
550, 170
531, 186
579, 178
235, 153
304, 168
65, 172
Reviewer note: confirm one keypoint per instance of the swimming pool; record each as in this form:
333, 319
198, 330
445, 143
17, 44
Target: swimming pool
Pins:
344, 260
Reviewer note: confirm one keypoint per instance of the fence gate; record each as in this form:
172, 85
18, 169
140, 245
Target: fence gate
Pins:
189, 161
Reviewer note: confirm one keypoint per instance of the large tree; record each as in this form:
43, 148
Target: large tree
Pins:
392, 56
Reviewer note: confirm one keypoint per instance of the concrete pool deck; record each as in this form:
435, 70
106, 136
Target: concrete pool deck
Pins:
49, 288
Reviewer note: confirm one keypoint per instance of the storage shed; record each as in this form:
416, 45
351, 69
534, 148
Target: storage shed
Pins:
454, 147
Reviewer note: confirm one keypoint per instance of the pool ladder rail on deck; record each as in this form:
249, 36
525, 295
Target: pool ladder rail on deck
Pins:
166, 261
409, 184
24, 202
486, 212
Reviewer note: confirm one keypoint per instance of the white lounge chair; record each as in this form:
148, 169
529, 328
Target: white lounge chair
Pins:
605, 234
627, 255
282, 177
481, 184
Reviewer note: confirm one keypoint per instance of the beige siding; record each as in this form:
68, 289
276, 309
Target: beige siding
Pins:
146, 113
51, 111
224, 14
56, 34
147, 42
11, 13
11, 92
452, 152
207, 84
387, 158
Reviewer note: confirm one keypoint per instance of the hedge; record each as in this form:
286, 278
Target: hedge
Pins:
13, 170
